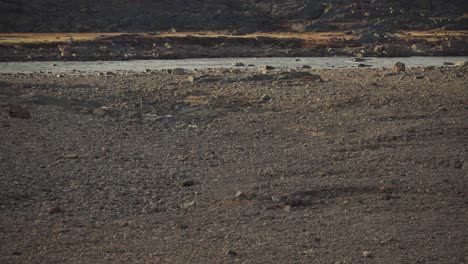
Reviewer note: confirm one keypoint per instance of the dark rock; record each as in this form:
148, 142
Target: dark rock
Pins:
54, 210
188, 183
399, 67
232, 253
265, 98
265, 67
396, 51
15, 111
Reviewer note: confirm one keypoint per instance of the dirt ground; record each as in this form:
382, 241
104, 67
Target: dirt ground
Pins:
357, 166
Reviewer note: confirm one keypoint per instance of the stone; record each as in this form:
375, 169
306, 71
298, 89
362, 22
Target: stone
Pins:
265, 98
231, 252
420, 48
399, 67
362, 65
397, 51
461, 63
306, 67
188, 204
65, 51
265, 68
239, 64
103, 49
240, 195
191, 79
287, 208
188, 183
16, 111
367, 254
177, 71
449, 63
101, 111
71, 156
54, 210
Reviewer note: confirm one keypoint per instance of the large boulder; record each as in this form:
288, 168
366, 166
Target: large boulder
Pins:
394, 50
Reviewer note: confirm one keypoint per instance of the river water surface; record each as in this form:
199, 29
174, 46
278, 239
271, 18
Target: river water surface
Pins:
190, 64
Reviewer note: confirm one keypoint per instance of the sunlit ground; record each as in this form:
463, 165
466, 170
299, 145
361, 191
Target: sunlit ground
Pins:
316, 37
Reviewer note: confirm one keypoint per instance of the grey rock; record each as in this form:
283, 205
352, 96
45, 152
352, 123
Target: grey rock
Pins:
188, 183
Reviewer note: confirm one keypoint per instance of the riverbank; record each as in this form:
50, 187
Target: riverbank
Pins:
314, 166
181, 45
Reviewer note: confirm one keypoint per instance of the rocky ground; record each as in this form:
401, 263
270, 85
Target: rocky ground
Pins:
165, 45
237, 16
230, 166
372, 26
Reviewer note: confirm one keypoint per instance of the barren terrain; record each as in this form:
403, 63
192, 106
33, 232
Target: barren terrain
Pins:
323, 166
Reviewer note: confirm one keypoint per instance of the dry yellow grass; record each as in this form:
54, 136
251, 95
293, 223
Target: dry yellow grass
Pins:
30, 38
312, 37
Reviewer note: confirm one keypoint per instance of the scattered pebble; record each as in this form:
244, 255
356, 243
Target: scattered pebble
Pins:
71, 156
240, 195
367, 254
231, 252
188, 183
188, 204
54, 210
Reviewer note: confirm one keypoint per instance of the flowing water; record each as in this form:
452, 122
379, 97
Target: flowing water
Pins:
190, 64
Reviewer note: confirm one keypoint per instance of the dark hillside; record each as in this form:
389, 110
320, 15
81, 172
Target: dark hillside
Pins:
237, 16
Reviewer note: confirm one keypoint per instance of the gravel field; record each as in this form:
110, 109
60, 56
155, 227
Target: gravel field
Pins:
232, 166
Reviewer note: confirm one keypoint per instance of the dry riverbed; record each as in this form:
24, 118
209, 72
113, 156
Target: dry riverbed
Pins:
321, 166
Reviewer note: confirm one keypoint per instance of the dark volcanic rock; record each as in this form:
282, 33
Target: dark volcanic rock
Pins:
239, 16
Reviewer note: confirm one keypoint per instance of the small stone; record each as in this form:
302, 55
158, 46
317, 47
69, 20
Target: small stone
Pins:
188, 204
448, 63
17, 253
178, 71
188, 183
54, 210
367, 254
265, 98
287, 208
306, 67
239, 64
399, 67
231, 252
71, 156
276, 199
461, 63
240, 195
101, 112
266, 67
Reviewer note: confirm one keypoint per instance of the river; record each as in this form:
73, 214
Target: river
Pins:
190, 64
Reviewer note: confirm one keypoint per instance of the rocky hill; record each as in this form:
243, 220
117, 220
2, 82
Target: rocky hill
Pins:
236, 16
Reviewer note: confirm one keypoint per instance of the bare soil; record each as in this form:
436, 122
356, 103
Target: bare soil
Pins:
296, 170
